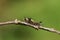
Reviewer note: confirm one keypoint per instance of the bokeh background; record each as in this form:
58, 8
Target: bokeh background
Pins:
47, 11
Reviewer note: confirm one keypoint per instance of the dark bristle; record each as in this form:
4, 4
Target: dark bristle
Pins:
40, 21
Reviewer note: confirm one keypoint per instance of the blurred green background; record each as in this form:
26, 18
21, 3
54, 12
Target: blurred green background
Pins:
47, 11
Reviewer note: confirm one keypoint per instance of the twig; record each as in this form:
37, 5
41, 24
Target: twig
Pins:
19, 22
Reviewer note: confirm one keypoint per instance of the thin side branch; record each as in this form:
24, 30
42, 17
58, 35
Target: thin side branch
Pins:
31, 24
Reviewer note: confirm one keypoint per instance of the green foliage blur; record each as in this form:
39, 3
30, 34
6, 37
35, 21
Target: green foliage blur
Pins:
47, 11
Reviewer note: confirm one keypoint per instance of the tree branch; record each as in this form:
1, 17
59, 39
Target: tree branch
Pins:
19, 22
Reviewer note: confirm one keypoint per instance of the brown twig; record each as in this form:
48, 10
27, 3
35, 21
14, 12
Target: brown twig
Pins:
19, 22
